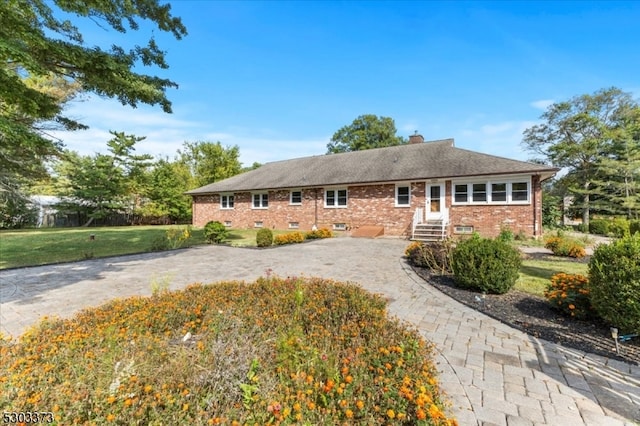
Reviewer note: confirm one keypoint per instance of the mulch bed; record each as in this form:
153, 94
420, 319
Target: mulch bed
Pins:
535, 316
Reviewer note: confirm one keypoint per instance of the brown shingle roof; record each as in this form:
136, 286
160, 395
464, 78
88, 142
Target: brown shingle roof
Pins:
429, 160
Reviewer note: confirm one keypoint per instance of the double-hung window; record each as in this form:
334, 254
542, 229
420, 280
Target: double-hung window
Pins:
403, 195
226, 201
461, 193
498, 192
519, 191
479, 192
335, 198
260, 200
295, 198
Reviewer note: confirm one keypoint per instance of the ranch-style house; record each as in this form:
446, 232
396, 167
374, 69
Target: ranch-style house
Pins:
422, 190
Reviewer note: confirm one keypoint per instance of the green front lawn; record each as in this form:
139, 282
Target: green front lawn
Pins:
535, 274
30, 247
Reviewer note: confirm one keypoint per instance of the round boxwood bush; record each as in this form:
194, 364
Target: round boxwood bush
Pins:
264, 237
599, 226
215, 232
614, 283
490, 266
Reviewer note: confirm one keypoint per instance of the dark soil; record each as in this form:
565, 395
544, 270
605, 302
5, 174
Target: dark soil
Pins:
535, 316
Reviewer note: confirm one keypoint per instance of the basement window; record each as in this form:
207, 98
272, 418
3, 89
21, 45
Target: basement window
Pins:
258, 224
294, 225
463, 229
227, 223
339, 226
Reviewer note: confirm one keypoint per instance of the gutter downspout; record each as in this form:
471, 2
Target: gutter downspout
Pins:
538, 184
315, 218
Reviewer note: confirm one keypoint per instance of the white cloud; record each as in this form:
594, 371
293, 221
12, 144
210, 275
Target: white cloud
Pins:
165, 133
502, 139
542, 104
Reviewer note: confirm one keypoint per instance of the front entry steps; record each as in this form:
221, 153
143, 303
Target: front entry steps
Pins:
432, 230
368, 231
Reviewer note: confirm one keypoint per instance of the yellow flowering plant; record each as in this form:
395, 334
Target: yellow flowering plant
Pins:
569, 293
275, 351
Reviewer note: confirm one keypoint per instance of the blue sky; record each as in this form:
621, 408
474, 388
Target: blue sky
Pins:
277, 79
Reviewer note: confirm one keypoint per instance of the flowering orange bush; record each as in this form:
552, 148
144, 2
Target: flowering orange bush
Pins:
288, 238
318, 233
569, 293
562, 246
276, 351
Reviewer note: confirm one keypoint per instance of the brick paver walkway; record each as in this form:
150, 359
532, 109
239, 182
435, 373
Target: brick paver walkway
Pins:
493, 374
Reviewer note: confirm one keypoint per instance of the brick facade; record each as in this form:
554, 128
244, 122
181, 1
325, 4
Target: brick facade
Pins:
367, 205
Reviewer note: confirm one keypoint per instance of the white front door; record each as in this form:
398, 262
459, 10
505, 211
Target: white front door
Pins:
435, 204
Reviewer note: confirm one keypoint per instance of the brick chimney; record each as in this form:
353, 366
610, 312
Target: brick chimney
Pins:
416, 138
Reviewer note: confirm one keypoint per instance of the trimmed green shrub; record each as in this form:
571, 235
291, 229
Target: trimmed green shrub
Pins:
599, 226
215, 232
634, 226
490, 266
619, 227
614, 283
264, 237
289, 238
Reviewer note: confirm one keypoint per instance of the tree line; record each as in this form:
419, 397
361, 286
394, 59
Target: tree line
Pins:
136, 187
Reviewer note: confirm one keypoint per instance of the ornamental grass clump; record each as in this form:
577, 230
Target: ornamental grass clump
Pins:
275, 351
569, 293
486, 265
614, 283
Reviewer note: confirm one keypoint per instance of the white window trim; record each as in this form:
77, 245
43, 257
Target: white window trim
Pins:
227, 195
336, 206
291, 203
261, 206
403, 185
488, 182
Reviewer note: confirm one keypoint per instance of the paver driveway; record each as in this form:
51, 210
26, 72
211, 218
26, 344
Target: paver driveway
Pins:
494, 375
